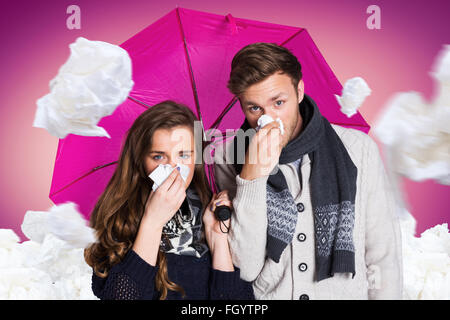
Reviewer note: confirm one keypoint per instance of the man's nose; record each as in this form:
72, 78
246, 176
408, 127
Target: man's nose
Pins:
271, 113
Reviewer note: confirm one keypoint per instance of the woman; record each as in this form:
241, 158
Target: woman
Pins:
164, 243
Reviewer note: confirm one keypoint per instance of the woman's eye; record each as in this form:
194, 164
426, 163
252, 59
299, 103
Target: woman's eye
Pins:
158, 157
185, 156
279, 103
255, 108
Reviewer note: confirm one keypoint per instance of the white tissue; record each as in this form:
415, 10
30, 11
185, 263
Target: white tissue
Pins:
49, 268
417, 133
53, 269
441, 67
63, 221
354, 93
162, 171
426, 261
8, 239
90, 85
265, 119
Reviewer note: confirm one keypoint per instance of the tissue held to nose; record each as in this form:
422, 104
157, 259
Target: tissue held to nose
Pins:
265, 119
160, 174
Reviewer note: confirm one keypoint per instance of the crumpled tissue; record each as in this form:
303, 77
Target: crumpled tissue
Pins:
265, 120
46, 267
426, 261
89, 85
354, 93
64, 221
51, 268
417, 133
162, 171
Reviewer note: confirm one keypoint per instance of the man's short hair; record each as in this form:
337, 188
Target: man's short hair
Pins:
257, 61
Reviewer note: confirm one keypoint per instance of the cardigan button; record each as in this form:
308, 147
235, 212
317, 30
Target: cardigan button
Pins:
301, 237
300, 207
304, 297
302, 267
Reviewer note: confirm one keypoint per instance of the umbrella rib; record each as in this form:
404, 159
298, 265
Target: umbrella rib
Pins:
291, 37
224, 112
86, 174
142, 104
191, 73
351, 124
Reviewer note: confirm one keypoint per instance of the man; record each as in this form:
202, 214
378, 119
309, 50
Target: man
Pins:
314, 213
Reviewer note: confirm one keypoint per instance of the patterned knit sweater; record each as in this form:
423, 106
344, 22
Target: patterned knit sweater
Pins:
134, 279
376, 234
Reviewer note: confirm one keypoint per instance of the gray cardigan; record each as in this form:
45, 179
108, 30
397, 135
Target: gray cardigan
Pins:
376, 233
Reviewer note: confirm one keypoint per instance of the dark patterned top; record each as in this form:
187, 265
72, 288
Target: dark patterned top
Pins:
133, 278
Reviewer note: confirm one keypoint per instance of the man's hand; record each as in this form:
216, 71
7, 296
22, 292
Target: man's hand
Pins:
263, 152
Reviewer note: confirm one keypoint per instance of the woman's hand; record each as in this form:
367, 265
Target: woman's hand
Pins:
217, 227
215, 232
163, 203
160, 207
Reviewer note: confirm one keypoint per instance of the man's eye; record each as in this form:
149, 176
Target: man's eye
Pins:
279, 103
255, 108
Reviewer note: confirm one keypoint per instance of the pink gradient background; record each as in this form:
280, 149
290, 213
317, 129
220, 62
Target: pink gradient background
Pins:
35, 44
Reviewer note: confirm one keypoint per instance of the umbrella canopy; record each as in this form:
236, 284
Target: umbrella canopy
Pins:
186, 56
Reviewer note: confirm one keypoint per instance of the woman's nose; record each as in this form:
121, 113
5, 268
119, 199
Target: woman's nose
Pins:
171, 162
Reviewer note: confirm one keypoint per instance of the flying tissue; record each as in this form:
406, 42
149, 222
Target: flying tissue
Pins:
416, 138
89, 85
354, 93
417, 133
63, 221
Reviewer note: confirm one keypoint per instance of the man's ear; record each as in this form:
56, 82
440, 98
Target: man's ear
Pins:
300, 90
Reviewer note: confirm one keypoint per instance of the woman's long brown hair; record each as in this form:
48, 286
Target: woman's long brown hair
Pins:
119, 210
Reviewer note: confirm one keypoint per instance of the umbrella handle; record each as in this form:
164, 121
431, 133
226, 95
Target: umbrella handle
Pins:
232, 21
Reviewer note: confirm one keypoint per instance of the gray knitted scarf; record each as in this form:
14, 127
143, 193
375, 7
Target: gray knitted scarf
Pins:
333, 189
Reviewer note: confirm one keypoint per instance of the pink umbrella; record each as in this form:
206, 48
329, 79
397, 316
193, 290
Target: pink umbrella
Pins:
186, 56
